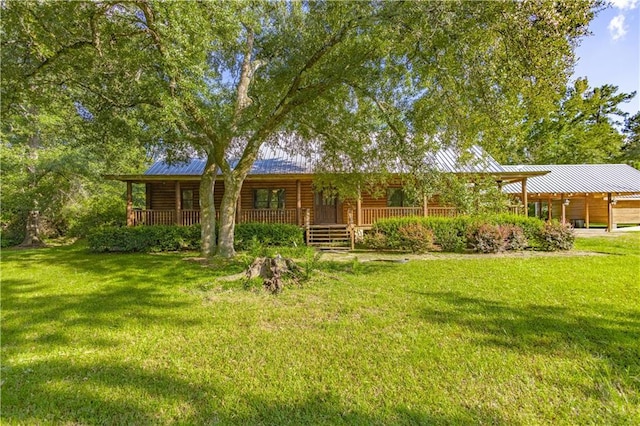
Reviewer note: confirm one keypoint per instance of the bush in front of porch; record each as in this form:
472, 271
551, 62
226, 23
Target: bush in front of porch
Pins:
160, 238
454, 233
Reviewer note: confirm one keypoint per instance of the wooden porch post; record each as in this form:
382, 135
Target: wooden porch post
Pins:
359, 209
549, 208
586, 211
129, 204
178, 220
609, 213
307, 224
525, 200
299, 202
425, 207
564, 210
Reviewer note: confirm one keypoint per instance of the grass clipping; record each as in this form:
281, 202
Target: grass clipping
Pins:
274, 272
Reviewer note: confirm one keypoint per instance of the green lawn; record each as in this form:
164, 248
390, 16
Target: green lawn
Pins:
155, 339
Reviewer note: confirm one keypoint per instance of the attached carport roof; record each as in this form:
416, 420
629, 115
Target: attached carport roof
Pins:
578, 179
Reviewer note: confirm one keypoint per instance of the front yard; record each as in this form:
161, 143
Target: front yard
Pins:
157, 339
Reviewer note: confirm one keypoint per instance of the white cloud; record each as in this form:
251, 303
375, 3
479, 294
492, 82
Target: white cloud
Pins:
625, 4
617, 28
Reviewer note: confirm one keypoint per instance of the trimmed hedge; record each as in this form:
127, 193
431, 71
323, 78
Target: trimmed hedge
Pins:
486, 238
453, 233
173, 238
556, 236
144, 238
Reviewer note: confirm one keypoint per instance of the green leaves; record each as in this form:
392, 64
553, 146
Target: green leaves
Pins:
583, 129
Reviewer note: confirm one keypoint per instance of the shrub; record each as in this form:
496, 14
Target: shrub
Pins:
144, 238
530, 225
267, 234
375, 240
415, 237
554, 236
451, 233
451, 241
486, 238
513, 237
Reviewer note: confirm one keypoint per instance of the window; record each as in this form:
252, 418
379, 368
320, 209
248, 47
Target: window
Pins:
264, 198
187, 199
397, 198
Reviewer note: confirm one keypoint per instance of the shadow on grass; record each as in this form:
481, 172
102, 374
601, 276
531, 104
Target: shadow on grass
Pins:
58, 392
109, 292
612, 336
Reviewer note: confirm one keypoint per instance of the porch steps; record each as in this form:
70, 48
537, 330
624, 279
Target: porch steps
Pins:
329, 237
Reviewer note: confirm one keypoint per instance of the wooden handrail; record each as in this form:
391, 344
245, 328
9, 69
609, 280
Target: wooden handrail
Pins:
269, 216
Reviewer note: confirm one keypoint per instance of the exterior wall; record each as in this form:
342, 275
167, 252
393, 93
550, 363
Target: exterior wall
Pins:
627, 212
624, 211
161, 196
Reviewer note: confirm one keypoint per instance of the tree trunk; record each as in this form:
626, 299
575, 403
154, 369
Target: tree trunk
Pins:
232, 187
32, 234
208, 209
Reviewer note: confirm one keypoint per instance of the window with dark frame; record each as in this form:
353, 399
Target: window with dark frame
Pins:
187, 199
268, 198
397, 198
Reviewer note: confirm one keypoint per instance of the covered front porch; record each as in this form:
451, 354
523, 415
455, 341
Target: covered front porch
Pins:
176, 203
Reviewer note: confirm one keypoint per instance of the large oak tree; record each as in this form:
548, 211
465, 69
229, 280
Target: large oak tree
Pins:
223, 78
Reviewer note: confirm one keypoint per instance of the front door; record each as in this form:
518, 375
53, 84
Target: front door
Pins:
325, 209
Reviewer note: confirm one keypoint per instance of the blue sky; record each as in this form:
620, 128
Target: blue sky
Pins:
611, 55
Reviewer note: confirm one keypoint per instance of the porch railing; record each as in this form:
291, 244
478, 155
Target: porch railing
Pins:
269, 216
371, 214
192, 217
154, 217
442, 211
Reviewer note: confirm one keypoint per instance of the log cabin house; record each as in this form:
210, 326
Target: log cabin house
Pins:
280, 189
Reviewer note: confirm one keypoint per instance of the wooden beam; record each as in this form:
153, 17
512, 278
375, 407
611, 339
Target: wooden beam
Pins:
425, 206
178, 220
359, 209
147, 196
609, 213
129, 204
586, 211
299, 202
524, 197
564, 211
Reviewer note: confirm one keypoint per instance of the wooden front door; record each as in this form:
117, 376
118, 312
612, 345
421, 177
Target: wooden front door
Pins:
325, 209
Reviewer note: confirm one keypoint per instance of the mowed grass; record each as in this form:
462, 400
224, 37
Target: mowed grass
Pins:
156, 339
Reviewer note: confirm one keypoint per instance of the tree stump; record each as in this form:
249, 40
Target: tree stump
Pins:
274, 271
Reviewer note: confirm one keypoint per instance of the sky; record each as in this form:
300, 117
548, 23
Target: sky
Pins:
611, 55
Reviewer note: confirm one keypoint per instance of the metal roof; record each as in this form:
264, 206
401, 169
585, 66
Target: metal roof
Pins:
578, 178
473, 160
277, 161
270, 161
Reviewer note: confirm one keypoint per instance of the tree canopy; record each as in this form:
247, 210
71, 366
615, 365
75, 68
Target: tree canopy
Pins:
583, 129
222, 78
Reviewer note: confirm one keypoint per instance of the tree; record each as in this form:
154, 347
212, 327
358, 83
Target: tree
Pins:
51, 174
631, 149
221, 79
583, 129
